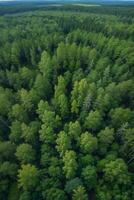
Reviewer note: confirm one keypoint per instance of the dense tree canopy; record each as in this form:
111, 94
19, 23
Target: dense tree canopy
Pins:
66, 103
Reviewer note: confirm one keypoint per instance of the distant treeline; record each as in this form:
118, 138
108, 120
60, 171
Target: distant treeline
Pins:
120, 10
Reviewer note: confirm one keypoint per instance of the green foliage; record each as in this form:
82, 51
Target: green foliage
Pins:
28, 177
30, 132
73, 184
55, 193
93, 121
63, 143
25, 153
79, 93
13, 192
70, 164
8, 169
54, 169
89, 177
6, 99
88, 143
25, 196
15, 134
105, 138
50, 124
7, 150
66, 102
80, 194
103, 193
116, 171
60, 97
119, 116
18, 112
74, 130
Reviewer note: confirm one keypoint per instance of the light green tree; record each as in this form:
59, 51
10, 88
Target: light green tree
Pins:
28, 177
70, 164
93, 121
63, 143
88, 143
80, 194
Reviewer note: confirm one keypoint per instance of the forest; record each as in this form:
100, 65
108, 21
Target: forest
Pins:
67, 103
